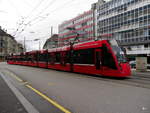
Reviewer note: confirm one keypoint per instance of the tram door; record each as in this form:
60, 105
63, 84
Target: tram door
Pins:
46, 55
63, 61
98, 59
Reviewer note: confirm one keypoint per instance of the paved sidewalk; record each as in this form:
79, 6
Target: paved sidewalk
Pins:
147, 71
8, 101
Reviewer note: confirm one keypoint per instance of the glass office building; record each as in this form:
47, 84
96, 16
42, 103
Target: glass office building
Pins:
128, 21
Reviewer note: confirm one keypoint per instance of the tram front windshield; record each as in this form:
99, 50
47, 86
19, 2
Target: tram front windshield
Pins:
118, 52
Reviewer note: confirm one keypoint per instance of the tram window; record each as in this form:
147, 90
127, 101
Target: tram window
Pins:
35, 57
43, 57
107, 58
51, 58
21, 58
32, 58
29, 58
63, 58
67, 60
57, 55
18, 59
26, 58
85, 56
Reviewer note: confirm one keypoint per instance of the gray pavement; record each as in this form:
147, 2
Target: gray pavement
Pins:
16, 98
83, 94
9, 103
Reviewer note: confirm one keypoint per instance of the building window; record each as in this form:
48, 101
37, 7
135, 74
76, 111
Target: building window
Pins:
1, 43
84, 24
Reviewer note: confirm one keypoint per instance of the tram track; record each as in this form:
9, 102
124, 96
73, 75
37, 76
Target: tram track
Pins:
141, 82
137, 80
142, 78
140, 74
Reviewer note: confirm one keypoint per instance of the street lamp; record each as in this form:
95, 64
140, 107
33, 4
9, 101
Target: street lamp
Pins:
71, 47
72, 43
76, 32
37, 39
23, 42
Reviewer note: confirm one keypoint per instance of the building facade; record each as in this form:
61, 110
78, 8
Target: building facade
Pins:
83, 27
8, 45
52, 42
128, 21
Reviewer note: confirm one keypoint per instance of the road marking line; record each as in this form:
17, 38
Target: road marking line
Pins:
26, 104
42, 95
20, 80
49, 100
15, 76
24, 83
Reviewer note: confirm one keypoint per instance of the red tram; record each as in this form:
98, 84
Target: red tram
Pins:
103, 57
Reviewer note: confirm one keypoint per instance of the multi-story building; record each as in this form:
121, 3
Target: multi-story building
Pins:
52, 42
8, 45
128, 21
83, 27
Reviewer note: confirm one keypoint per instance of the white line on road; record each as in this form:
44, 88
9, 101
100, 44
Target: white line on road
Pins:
27, 105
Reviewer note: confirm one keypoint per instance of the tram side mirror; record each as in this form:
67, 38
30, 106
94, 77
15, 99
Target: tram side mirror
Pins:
124, 50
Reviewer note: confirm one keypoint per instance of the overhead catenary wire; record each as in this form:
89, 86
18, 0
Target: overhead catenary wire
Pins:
28, 23
39, 3
46, 15
43, 18
22, 25
51, 3
40, 18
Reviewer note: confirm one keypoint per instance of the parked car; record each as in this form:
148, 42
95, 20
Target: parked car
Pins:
132, 64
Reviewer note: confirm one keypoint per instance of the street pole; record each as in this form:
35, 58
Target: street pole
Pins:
71, 46
24, 44
39, 42
71, 56
51, 30
39, 45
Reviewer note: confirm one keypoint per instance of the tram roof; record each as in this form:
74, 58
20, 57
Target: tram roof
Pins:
86, 45
93, 44
65, 48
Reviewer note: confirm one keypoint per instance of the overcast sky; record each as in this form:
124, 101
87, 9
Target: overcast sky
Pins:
33, 19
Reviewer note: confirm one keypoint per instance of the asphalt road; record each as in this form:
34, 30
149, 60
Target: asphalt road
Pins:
80, 93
